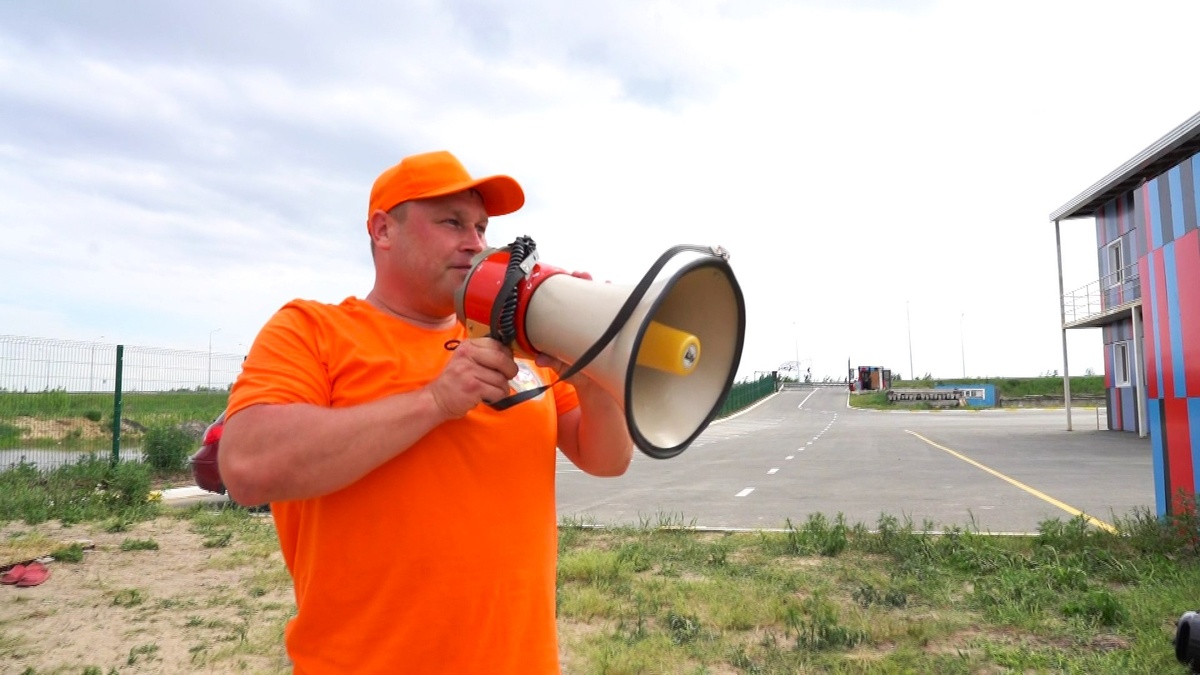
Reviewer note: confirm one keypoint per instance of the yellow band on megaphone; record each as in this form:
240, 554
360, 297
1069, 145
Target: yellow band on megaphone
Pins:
669, 349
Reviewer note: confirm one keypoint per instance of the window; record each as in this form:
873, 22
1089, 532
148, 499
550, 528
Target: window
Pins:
1121, 364
1116, 265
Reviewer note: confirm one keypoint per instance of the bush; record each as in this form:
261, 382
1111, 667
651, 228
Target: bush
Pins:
166, 447
89, 489
128, 485
9, 433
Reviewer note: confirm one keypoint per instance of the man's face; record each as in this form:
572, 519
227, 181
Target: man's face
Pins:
433, 247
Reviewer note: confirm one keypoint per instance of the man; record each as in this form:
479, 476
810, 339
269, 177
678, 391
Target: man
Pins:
418, 525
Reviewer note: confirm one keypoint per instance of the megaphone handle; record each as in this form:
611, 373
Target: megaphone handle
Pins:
504, 309
614, 327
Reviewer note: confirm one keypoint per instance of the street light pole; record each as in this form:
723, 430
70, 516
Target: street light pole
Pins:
796, 344
210, 335
908, 317
962, 344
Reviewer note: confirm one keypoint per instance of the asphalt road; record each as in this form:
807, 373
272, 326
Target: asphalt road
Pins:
802, 452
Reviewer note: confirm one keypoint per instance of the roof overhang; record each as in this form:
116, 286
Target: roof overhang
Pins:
1181, 143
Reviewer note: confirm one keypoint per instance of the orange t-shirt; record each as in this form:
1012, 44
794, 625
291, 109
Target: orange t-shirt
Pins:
442, 560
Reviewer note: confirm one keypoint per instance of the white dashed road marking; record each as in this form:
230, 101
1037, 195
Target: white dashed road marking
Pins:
745, 492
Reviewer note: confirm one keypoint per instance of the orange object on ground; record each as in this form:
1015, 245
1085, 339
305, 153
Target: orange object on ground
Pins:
13, 575
443, 559
35, 574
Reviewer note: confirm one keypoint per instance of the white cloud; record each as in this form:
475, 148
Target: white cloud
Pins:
874, 168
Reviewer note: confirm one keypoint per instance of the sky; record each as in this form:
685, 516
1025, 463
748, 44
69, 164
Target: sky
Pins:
881, 172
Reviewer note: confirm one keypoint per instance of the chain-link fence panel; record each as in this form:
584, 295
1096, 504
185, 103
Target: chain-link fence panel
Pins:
61, 399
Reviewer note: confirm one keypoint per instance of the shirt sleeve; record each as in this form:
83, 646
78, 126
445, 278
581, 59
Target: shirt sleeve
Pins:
565, 398
285, 363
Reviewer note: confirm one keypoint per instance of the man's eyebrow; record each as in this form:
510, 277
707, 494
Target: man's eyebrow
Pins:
464, 216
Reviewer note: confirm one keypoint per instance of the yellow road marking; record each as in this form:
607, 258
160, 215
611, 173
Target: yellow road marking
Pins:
1040, 495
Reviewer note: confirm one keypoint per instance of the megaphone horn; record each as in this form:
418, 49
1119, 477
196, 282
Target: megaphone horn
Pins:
666, 349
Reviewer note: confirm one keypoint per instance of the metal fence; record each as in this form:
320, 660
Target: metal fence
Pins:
61, 399
743, 394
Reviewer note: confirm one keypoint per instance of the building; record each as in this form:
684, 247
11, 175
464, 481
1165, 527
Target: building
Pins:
1147, 303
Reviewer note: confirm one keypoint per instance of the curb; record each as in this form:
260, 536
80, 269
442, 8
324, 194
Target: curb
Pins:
187, 496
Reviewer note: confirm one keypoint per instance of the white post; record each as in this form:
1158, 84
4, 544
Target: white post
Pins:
1139, 387
1062, 312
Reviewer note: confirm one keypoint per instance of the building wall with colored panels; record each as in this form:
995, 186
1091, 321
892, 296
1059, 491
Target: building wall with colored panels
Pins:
1118, 223
1120, 397
1169, 272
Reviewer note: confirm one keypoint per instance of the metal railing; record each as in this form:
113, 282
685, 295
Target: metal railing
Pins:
743, 394
1102, 295
61, 400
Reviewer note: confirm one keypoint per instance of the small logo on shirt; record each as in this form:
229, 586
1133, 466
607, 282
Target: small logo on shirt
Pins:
527, 378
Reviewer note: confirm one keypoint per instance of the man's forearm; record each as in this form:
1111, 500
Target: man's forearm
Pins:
605, 448
278, 452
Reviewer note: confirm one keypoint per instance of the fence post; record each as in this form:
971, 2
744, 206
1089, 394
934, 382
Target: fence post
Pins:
116, 430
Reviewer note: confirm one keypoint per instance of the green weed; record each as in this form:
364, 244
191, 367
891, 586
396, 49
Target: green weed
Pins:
89, 489
147, 651
139, 545
166, 446
72, 553
129, 597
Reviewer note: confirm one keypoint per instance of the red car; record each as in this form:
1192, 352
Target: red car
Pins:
204, 462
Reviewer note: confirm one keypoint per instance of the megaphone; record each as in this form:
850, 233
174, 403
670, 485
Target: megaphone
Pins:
667, 349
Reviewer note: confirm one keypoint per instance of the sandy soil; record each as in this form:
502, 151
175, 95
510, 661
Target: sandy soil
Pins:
181, 608
34, 428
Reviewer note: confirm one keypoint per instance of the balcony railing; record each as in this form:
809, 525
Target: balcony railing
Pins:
1110, 292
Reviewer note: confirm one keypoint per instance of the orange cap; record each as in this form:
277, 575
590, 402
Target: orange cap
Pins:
434, 174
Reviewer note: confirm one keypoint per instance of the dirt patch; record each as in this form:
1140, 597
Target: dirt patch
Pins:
62, 428
182, 607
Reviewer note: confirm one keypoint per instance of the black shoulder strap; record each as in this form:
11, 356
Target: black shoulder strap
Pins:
614, 327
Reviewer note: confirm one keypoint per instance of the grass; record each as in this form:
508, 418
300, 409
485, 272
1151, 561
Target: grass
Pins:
224, 625
57, 403
89, 489
93, 413
818, 596
826, 596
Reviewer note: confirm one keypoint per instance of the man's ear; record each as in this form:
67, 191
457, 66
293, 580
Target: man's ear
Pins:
380, 227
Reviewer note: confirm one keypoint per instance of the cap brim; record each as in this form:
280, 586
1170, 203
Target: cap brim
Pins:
501, 194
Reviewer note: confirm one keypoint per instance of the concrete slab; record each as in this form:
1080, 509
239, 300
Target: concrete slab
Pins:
804, 452
187, 496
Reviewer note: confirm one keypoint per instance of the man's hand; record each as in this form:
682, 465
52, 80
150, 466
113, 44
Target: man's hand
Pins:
478, 371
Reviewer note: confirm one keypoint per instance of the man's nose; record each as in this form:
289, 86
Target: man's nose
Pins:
475, 242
